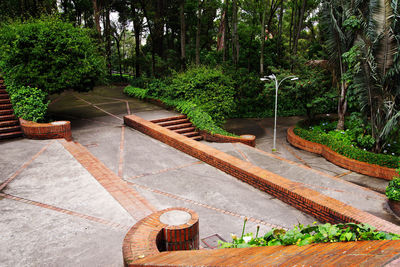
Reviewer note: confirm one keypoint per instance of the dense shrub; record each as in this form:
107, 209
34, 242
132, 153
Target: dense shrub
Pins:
311, 94
208, 88
28, 103
301, 235
393, 189
201, 119
49, 54
346, 148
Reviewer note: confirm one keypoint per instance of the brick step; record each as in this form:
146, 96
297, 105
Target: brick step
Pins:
197, 138
169, 119
8, 123
185, 130
3, 91
180, 126
4, 96
10, 129
191, 134
5, 101
5, 106
2, 86
10, 135
173, 122
6, 111
7, 117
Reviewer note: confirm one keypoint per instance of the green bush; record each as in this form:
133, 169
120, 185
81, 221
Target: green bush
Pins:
201, 119
49, 54
136, 92
300, 235
346, 149
28, 103
393, 189
209, 88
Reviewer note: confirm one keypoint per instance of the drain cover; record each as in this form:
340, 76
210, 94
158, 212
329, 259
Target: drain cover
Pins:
91, 145
211, 242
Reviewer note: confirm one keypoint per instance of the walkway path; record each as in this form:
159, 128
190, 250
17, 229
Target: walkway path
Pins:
65, 203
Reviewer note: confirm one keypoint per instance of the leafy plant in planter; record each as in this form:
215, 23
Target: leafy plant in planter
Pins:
304, 235
393, 189
393, 194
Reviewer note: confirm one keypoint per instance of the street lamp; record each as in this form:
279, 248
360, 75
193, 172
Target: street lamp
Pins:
273, 77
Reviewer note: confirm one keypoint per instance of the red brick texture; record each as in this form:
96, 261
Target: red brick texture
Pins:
54, 130
362, 253
342, 161
322, 207
149, 237
249, 140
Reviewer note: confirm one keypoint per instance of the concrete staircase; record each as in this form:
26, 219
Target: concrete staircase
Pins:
9, 124
180, 125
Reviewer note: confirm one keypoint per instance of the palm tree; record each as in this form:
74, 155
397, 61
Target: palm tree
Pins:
339, 40
378, 77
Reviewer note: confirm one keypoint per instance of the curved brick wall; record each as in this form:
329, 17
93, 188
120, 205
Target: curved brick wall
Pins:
150, 236
249, 140
342, 161
54, 130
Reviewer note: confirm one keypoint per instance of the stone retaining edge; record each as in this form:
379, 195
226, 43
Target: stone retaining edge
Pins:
34, 130
322, 207
340, 160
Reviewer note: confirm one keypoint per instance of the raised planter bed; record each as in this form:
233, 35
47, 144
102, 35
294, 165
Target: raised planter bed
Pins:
247, 139
340, 160
53, 130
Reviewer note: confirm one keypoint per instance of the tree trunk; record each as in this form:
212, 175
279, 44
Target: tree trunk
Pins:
280, 29
299, 27
198, 31
137, 29
159, 28
183, 35
235, 38
107, 32
262, 41
96, 11
225, 41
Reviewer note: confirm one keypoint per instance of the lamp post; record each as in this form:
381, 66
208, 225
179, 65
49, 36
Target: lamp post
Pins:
277, 84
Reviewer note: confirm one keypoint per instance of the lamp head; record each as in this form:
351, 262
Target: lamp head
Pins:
294, 79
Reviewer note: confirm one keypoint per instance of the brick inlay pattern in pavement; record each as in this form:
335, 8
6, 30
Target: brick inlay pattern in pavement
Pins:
322, 207
65, 211
193, 202
23, 167
130, 199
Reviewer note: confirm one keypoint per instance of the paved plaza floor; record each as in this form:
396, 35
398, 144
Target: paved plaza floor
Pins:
61, 207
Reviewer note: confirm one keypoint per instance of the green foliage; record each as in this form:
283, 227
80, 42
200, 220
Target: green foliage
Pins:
304, 235
393, 189
208, 88
28, 103
50, 54
342, 142
201, 119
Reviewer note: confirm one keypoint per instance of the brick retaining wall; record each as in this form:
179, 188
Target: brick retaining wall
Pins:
342, 161
324, 208
55, 130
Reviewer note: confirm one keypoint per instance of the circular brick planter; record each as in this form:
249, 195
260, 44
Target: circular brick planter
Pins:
342, 161
394, 206
53, 130
171, 229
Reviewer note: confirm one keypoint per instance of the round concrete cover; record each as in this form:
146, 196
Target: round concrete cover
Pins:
175, 217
